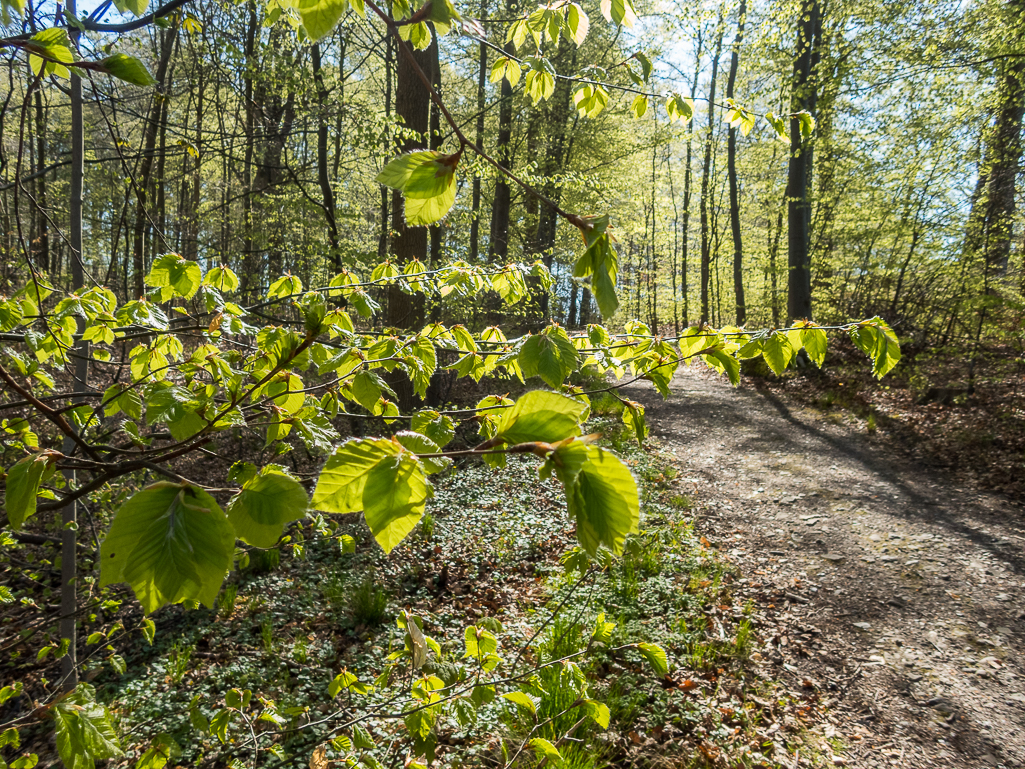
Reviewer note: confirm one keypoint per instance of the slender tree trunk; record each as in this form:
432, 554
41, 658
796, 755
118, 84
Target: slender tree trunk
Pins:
706, 244
731, 171
385, 234
69, 534
327, 193
687, 176
803, 97
437, 231
144, 178
482, 79
191, 228
42, 239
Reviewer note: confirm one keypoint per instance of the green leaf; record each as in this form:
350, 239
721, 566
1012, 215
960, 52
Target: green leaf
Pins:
266, 503
656, 657
367, 388
321, 16
619, 12
778, 352
577, 24
427, 180
177, 273
633, 418
521, 699
285, 286
600, 492
343, 479
815, 344
544, 748
222, 279
393, 498
876, 339
170, 542
129, 69
599, 712
421, 444
439, 428
23, 480
550, 355
724, 363
541, 415
84, 732
639, 107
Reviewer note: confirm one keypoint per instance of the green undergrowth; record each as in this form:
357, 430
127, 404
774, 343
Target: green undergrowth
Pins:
493, 546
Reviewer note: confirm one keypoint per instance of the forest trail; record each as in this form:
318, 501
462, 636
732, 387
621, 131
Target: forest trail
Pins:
887, 592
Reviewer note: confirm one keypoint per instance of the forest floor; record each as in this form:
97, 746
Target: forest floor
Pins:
881, 582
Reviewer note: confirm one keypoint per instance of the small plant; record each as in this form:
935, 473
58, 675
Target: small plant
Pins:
226, 601
606, 405
681, 502
871, 426
267, 635
335, 592
300, 650
742, 643
368, 603
427, 527
178, 660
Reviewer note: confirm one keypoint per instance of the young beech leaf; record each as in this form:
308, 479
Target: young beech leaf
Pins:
656, 657
128, 68
522, 699
393, 498
877, 340
170, 542
599, 712
549, 355
544, 748
427, 181
540, 416
320, 16
814, 342
23, 481
84, 731
633, 418
778, 352
340, 486
600, 492
266, 503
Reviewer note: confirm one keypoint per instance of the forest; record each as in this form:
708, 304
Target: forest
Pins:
637, 383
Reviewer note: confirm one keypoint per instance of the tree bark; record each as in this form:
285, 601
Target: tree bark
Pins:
802, 98
323, 178
731, 171
144, 178
706, 244
482, 79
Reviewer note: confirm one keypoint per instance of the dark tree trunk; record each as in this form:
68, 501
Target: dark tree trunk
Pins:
706, 240
803, 97
144, 177
482, 79
498, 244
731, 170
323, 178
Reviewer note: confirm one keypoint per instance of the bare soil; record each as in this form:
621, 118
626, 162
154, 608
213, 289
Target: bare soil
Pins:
891, 590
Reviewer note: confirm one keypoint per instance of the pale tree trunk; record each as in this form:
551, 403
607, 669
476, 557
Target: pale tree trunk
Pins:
69, 534
323, 178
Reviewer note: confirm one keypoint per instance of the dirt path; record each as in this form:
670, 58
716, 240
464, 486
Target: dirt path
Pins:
890, 591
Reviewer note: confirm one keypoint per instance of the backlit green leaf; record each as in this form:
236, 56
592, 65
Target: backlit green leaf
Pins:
170, 542
266, 503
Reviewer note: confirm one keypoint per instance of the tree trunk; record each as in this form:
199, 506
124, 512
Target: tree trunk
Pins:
482, 79
323, 178
991, 218
731, 170
706, 244
803, 97
149, 143
498, 244
69, 534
